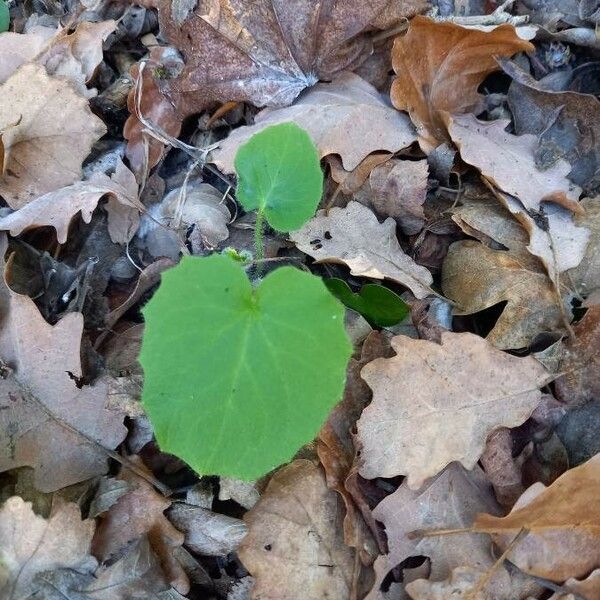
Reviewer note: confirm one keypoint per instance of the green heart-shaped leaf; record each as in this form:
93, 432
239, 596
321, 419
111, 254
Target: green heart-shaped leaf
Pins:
279, 175
379, 305
236, 378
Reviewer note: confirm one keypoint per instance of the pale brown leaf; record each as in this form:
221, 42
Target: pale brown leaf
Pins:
434, 404
31, 545
44, 413
54, 132
476, 277
294, 547
17, 49
439, 67
508, 162
586, 276
58, 208
563, 522
333, 114
353, 236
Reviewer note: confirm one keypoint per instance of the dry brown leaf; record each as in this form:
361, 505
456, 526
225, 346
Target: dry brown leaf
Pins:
335, 446
58, 208
353, 236
351, 181
580, 362
76, 54
563, 521
31, 545
294, 547
434, 404
138, 513
585, 278
476, 277
508, 162
439, 67
398, 189
588, 589
264, 52
16, 49
41, 406
333, 115
48, 130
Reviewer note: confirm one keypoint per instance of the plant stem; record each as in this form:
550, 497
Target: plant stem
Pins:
259, 244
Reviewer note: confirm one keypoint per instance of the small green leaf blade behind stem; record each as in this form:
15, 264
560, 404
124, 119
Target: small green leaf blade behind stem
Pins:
279, 174
237, 379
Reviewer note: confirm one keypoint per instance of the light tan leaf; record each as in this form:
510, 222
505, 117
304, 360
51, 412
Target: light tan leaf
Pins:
333, 115
31, 545
439, 67
294, 547
17, 49
206, 532
563, 521
587, 589
76, 54
57, 209
41, 406
54, 134
508, 162
476, 277
434, 404
586, 276
353, 236
138, 513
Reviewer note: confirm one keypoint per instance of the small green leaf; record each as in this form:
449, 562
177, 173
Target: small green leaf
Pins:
279, 174
379, 305
236, 378
4, 16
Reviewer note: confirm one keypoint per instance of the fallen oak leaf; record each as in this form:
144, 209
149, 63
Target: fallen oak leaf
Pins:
439, 67
32, 545
140, 512
353, 236
562, 522
54, 133
58, 208
63, 432
333, 116
507, 161
476, 277
17, 49
434, 404
294, 547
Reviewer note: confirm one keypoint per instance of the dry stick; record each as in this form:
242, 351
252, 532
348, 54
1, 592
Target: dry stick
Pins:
498, 17
483, 581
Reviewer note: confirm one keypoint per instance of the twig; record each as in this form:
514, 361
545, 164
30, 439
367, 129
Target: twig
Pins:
498, 17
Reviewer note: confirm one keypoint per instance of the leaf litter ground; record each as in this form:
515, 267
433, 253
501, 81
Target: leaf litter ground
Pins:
461, 182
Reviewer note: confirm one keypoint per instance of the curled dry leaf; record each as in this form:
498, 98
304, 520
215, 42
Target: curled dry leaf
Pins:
567, 127
476, 277
47, 131
333, 115
353, 236
580, 362
563, 525
434, 404
32, 545
76, 54
439, 67
137, 513
508, 162
206, 532
335, 446
47, 421
58, 208
294, 547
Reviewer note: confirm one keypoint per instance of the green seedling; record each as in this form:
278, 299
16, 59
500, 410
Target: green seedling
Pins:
238, 377
4, 16
377, 304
